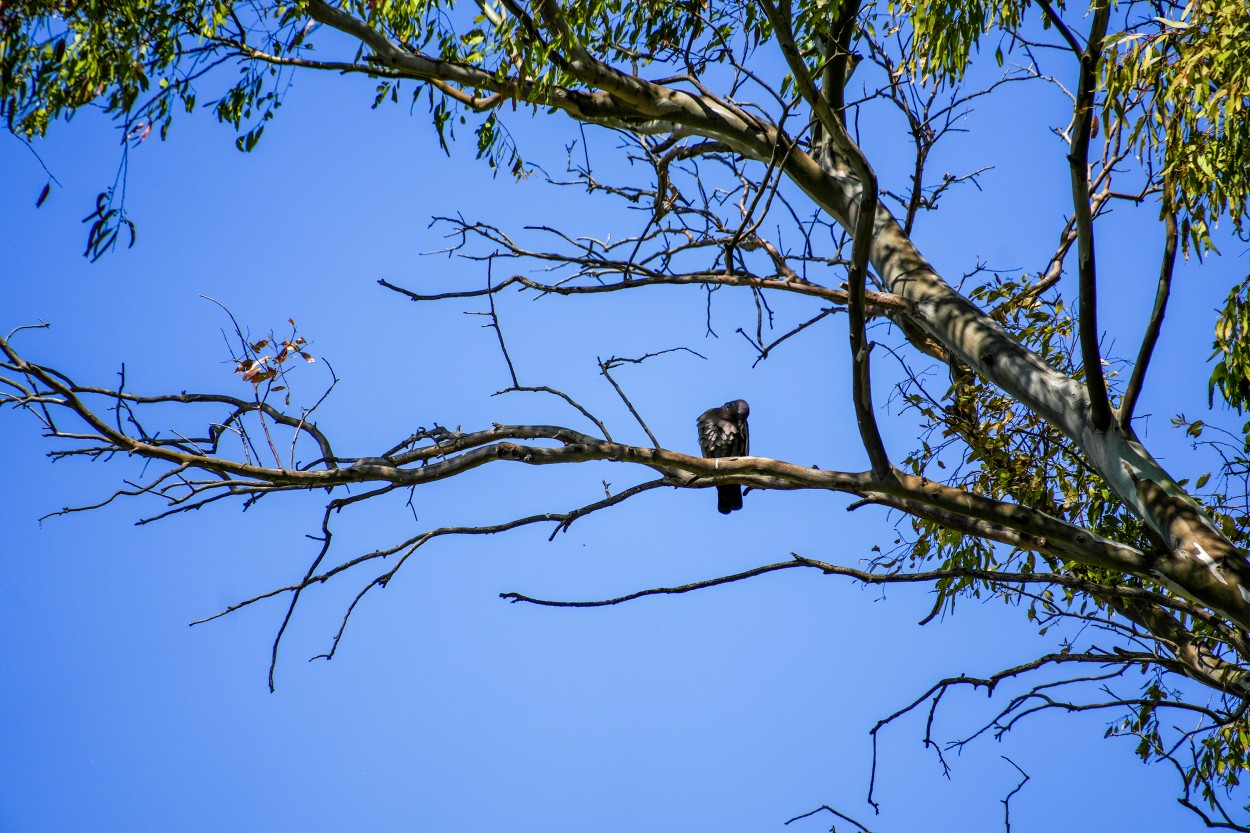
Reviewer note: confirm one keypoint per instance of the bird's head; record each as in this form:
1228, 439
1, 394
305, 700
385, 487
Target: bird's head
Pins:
739, 408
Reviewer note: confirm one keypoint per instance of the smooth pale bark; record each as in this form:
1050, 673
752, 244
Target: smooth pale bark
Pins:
1200, 562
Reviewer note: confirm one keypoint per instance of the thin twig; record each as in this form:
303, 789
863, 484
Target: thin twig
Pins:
1007, 800
842, 816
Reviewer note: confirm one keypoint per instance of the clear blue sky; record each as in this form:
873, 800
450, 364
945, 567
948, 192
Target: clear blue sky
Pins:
447, 709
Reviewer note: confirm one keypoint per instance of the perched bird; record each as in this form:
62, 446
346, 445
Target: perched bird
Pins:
723, 433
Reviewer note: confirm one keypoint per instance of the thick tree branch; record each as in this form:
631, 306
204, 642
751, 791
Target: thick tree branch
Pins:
1193, 658
1078, 161
1058, 22
866, 209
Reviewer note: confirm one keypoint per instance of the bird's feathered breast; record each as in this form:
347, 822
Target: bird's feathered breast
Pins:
722, 434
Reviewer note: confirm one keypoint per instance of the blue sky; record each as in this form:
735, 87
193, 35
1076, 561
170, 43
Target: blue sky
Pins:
446, 708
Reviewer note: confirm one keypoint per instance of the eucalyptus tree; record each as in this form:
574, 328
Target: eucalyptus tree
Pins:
1030, 481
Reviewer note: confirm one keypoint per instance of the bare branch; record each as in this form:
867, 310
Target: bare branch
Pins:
878, 301
1151, 337
580, 409
684, 588
842, 816
494, 324
1083, 119
780, 16
1007, 801
1055, 20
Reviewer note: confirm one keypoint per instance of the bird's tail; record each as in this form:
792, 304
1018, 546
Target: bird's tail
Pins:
728, 498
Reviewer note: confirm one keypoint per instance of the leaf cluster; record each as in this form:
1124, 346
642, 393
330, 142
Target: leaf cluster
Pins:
1231, 374
983, 440
947, 32
1184, 84
57, 57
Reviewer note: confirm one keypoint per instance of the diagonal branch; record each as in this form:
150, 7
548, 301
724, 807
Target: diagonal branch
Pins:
1078, 161
1151, 336
863, 223
1058, 22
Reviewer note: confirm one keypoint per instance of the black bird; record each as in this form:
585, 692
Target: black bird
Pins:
723, 433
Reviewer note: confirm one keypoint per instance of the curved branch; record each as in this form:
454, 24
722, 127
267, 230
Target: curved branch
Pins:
1151, 337
1143, 607
862, 226
1078, 160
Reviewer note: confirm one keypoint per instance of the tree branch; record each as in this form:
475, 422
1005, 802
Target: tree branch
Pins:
1059, 24
645, 107
1078, 160
861, 246
1151, 337
445, 454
